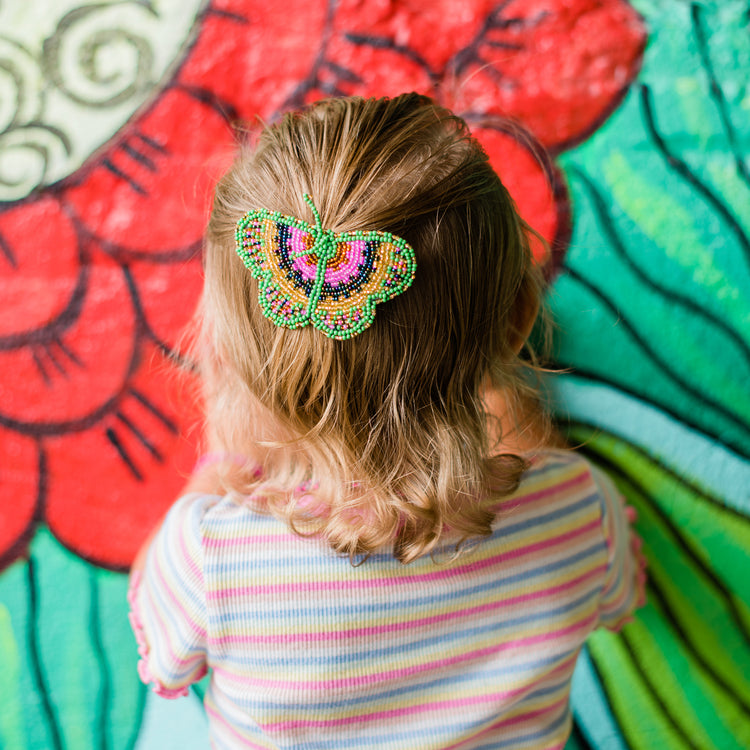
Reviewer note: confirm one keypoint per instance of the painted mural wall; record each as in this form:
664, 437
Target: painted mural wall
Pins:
622, 130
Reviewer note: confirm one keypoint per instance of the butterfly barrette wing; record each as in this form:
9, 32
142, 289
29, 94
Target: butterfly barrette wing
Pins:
275, 248
367, 268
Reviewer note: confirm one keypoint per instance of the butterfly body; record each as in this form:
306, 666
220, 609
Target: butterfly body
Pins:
307, 275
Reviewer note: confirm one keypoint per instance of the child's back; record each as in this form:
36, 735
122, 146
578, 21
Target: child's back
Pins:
373, 438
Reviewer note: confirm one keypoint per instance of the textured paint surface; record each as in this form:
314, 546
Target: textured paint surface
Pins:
116, 118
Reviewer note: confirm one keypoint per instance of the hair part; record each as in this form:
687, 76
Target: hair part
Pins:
381, 440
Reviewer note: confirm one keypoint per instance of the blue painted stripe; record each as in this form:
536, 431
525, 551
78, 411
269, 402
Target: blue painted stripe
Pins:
591, 709
687, 452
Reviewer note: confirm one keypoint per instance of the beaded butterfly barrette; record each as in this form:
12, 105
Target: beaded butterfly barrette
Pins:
309, 275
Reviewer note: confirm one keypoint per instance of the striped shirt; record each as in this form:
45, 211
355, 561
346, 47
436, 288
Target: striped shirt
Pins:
308, 651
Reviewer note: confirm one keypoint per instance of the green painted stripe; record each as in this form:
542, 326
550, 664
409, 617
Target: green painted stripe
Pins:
719, 536
699, 606
643, 723
593, 325
591, 707
650, 640
672, 227
685, 686
681, 451
12, 733
127, 694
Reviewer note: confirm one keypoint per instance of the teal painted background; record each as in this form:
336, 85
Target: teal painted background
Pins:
650, 299
653, 309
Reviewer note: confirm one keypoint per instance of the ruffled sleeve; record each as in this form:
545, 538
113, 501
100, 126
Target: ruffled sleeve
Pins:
624, 586
168, 604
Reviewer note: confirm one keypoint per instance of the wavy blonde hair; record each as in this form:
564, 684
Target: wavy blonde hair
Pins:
380, 440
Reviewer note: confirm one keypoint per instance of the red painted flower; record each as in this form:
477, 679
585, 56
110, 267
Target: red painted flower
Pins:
100, 272
532, 77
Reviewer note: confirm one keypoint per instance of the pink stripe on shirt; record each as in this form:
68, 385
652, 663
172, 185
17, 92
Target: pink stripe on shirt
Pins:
410, 624
395, 674
329, 585
418, 708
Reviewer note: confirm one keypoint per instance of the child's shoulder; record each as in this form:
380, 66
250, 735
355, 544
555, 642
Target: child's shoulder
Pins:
191, 512
566, 477
554, 475
196, 514
555, 460
198, 507
560, 461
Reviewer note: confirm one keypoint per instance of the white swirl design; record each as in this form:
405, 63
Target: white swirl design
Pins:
26, 154
74, 74
21, 85
101, 55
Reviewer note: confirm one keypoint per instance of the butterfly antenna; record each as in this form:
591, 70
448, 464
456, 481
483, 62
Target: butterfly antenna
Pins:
318, 223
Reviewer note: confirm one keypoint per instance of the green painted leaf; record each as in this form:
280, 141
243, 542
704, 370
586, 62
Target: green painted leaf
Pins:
76, 655
11, 694
689, 646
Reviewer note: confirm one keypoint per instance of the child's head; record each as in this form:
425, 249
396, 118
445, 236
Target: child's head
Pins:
388, 428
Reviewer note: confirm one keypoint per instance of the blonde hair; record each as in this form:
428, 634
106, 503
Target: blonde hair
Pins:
380, 440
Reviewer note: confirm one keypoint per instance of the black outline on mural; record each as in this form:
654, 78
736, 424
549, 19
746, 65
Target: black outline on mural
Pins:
38, 675
55, 329
578, 735
680, 166
691, 647
7, 253
717, 93
691, 487
140, 436
384, 42
649, 685
660, 601
297, 96
679, 540
470, 54
205, 96
653, 355
19, 549
139, 711
576, 371
103, 697
606, 223
605, 694
720, 590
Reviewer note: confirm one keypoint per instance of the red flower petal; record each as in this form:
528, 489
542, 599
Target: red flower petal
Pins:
110, 484
168, 295
434, 30
558, 66
152, 192
61, 377
543, 206
19, 490
39, 265
352, 69
254, 55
